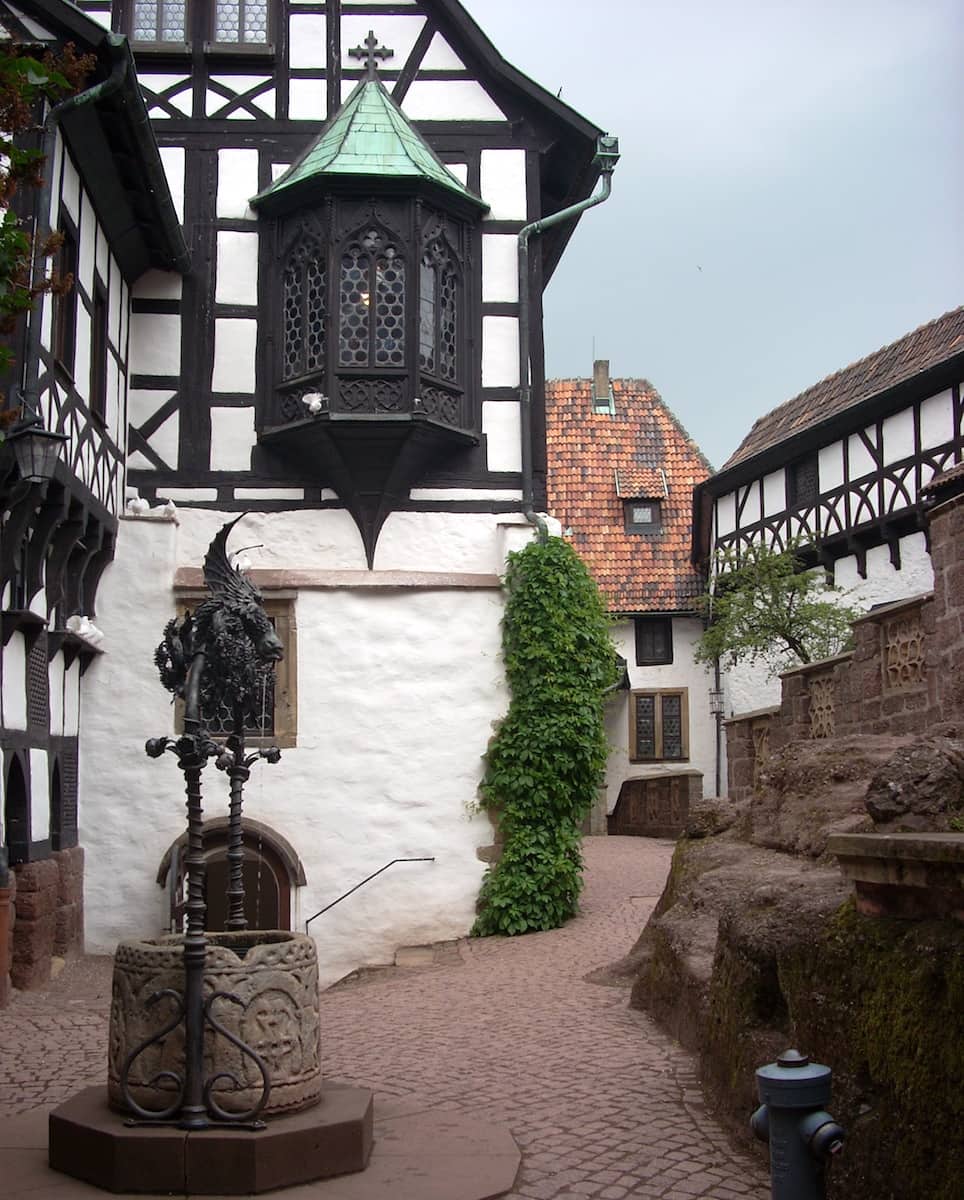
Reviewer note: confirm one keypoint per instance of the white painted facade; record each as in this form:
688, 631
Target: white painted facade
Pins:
390, 730
682, 674
399, 671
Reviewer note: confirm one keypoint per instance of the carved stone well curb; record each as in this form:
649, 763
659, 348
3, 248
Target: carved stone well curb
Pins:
273, 974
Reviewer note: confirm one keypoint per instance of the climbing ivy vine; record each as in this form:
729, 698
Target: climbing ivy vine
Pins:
548, 756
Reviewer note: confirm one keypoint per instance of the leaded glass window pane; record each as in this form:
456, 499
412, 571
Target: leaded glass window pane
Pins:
645, 726
426, 317
371, 300
389, 309
304, 311
354, 307
448, 327
672, 726
158, 21
241, 21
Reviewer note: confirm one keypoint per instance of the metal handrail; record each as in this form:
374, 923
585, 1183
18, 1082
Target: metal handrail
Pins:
367, 879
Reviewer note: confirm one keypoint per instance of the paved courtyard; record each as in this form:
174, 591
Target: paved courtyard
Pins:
600, 1101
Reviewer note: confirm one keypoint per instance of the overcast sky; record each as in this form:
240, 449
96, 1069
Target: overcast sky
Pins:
790, 196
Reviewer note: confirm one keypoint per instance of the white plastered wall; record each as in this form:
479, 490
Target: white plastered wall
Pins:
398, 690
682, 672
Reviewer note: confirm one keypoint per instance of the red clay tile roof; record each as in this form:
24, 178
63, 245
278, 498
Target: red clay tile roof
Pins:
637, 573
926, 347
640, 483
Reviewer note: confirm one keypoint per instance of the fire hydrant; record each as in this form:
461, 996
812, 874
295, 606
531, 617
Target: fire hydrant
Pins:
803, 1137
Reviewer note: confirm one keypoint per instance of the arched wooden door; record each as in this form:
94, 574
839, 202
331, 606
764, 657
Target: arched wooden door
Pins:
270, 870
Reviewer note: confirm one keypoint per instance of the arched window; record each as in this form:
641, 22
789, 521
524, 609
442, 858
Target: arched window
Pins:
305, 304
371, 302
438, 329
16, 814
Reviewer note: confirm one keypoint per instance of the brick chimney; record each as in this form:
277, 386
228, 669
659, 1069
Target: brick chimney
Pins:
602, 388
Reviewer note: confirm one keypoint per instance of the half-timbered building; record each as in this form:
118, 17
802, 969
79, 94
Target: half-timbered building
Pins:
838, 470
62, 461
352, 363
621, 476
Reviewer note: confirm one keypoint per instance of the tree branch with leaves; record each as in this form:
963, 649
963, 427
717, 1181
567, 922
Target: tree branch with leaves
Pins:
766, 606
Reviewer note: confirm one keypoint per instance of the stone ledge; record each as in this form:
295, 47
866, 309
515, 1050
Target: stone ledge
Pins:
911, 875
191, 578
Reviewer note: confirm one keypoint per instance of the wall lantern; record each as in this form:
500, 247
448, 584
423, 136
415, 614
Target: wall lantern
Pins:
35, 450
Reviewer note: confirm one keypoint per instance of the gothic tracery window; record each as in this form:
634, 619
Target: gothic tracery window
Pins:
372, 303
304, 310
438, 312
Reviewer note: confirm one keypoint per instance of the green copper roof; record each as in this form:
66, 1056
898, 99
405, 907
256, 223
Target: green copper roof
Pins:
369, 135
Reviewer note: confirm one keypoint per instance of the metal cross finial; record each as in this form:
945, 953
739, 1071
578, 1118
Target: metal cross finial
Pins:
371, 52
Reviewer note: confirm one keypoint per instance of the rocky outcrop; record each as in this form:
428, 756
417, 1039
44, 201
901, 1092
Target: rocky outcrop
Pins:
755, 945
920, 788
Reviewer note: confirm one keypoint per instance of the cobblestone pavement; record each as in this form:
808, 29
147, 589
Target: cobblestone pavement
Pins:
601, 1102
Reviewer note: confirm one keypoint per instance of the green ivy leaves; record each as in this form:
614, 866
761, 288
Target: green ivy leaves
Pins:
548, 757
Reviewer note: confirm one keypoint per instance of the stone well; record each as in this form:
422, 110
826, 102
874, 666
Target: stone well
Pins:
274, 975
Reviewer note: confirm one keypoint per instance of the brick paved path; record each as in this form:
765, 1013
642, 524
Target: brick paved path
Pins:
602, 1103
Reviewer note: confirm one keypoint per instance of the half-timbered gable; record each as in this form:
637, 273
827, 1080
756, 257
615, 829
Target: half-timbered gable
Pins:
105, 194
344, 364
839, 469
237, 93
621, 477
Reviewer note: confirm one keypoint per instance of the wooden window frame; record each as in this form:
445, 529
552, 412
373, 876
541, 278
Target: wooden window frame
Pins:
64, 332
649, 527
795, 498
99, 349
657, 694
199, 29
280, 606
655, 659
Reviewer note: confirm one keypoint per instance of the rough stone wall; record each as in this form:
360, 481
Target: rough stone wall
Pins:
36, 923
885, 686
48, 915
901, 677
69, 926
947, 554
7, 918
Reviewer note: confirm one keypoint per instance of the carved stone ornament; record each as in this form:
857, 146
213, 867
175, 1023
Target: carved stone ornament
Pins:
272, 976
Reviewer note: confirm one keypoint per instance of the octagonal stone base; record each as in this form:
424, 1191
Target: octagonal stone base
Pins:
90, 1142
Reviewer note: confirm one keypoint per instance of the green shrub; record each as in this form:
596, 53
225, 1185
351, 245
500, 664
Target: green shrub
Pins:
548, 756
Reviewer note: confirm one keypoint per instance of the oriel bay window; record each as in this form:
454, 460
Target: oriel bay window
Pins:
369, 379
372, 321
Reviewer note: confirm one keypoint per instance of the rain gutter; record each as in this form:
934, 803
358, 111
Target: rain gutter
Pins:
123, 63
606, 157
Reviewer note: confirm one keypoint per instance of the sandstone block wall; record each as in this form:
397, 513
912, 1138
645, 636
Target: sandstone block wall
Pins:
48, 915
902, 676
947, 645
